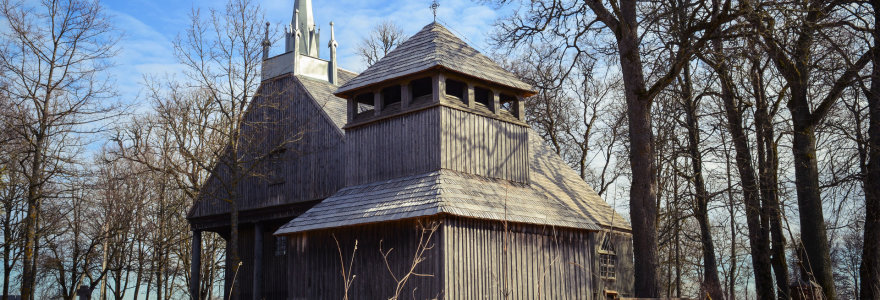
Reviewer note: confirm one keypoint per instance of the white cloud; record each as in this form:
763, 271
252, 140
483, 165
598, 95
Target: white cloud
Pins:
143, 51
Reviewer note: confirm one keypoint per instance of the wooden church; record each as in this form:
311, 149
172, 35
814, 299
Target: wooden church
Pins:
417, 178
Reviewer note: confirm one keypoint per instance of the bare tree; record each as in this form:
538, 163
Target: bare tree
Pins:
798, 41
54, 53
571, 22
212, 132
870, 268
222, 54
74, 233
12, 190
719, 60
691, 105
426, 243
383, 38
574, 112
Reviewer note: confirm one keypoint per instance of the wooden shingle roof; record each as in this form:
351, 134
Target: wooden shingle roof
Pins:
322, 92
556, 196
434, 47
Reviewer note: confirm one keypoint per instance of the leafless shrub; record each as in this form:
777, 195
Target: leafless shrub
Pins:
425, 244
347, 276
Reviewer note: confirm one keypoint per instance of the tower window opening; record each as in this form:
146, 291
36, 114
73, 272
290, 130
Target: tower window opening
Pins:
421, 89
390, 95
364, 103
507, 101
483, 96
456, 88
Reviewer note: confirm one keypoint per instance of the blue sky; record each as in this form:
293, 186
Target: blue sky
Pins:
149, 27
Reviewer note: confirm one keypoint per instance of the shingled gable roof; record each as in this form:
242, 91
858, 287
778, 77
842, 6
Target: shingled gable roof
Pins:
322, 92
556, 196
434, 47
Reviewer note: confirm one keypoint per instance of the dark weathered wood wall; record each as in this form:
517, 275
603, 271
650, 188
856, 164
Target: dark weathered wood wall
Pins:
314, 268
405, 145
435, 138
274, 266
485, 146
469, 262
311, 168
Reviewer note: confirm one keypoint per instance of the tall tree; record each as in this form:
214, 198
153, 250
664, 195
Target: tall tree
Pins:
54, 53
768, 168
383, 38
797, 40
569, 23
870, 268
691, 105
222, 54
12, 190
734, 109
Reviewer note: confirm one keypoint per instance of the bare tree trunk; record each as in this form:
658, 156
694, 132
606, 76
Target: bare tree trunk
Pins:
788, 53
870, 268
768, 164
711, 283
234, 257
732, 213
35, 183
758, 233
643, 190
806, 172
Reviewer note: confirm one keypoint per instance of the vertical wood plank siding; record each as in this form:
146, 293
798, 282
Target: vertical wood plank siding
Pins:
314, 270
539, 262
484, 146
274, 267
391, 148
434, 138
312, 166
469, 261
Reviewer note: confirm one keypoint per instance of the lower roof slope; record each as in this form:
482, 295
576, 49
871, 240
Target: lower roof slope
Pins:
556, 196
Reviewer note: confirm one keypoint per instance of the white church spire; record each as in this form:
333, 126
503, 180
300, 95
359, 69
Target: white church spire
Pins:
303, 22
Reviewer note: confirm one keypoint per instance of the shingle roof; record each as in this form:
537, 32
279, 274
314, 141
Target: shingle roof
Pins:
322, 92
555, 197
550, 175
434, 46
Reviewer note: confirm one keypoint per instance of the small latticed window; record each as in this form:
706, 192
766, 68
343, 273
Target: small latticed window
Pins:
280, 245
606, 265
607, 259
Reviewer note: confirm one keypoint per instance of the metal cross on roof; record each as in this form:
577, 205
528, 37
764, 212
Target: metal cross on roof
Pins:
434, 6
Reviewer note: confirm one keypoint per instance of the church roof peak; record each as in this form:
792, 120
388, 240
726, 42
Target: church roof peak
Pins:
434, 47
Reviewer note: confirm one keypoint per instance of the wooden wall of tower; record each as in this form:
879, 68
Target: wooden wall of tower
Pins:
433, 138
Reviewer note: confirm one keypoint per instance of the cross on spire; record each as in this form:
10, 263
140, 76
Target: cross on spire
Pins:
434, 6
